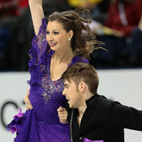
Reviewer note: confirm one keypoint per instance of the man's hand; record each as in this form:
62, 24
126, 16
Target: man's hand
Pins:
62, 114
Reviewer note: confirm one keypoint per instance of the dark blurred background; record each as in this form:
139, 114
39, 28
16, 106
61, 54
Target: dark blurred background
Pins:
117, 23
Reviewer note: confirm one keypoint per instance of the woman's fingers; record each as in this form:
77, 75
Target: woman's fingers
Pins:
28, 104
27, 101
27, 108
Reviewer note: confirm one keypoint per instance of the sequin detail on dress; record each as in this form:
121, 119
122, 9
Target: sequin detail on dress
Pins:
40, 39
49, 86
46, 97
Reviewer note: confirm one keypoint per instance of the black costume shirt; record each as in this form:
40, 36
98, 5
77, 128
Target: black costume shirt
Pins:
103, 120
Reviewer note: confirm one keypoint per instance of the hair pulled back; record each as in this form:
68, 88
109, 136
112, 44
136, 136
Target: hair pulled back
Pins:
82, 43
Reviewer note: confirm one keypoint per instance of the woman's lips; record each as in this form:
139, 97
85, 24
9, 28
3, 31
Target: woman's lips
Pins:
52, 45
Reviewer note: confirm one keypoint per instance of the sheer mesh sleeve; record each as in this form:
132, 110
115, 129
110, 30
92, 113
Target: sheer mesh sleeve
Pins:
38, 51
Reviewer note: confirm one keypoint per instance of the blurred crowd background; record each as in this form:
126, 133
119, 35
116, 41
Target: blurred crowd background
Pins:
116, 23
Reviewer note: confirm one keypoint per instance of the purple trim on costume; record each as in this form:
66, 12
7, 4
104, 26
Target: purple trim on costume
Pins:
87, 140
17, 120
19, 115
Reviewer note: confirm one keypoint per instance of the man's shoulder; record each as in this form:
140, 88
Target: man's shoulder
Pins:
105, 102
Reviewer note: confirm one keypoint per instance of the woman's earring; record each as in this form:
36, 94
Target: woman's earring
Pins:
69, 39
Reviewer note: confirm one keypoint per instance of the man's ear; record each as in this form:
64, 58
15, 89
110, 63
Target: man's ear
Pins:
82, 86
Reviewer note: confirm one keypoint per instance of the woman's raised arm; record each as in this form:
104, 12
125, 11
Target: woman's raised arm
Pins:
36, 13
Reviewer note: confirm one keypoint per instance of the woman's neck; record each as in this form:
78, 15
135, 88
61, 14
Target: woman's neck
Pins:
63, 56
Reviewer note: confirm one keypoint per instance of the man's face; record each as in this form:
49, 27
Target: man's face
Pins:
72, 94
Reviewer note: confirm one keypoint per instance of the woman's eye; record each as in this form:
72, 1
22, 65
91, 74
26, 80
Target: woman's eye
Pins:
56, 33
47, 32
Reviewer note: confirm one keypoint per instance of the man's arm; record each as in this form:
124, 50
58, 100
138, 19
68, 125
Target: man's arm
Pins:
126, 117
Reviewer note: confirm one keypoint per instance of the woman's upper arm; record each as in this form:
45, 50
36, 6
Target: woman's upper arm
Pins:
36, 13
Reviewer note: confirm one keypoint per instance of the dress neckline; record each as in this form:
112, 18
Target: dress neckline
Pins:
69, 64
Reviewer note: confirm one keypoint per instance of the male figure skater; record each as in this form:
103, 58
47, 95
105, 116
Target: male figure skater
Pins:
92, 117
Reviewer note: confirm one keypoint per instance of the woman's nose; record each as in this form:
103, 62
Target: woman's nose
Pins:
50, 37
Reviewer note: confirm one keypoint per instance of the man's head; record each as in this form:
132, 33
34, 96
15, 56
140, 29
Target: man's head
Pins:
80, 80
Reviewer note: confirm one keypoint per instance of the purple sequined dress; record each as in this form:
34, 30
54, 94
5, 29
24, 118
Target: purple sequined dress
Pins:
41, 124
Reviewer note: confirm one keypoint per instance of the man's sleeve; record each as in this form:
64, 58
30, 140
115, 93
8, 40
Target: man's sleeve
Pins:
126, 117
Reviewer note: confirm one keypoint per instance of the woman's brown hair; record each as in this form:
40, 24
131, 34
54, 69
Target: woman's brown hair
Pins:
82, 43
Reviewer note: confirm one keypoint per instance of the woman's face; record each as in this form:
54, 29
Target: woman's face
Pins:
56, 36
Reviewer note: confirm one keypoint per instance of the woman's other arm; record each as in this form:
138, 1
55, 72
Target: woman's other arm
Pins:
36, 13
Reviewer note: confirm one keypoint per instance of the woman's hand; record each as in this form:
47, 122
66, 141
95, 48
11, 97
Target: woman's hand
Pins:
62, 114
27, 101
